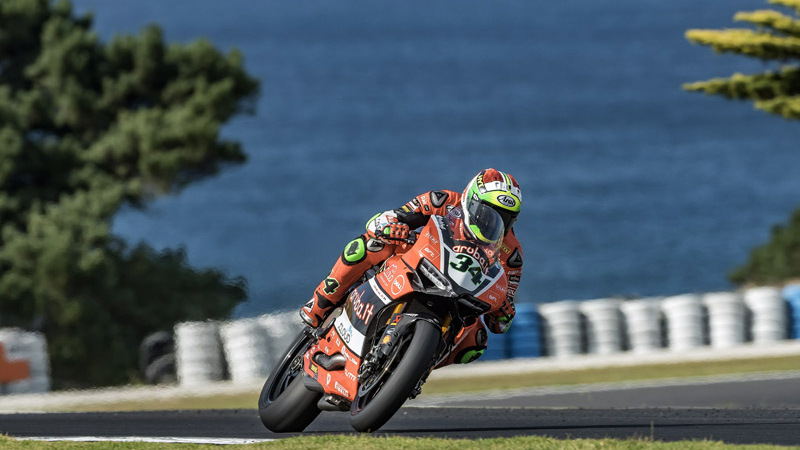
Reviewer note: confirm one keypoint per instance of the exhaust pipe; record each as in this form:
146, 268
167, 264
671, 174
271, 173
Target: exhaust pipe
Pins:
329, 363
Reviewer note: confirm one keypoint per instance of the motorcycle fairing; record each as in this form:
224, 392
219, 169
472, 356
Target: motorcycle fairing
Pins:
362, 305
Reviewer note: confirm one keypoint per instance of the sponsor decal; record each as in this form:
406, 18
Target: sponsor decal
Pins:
328, 380
340, 388
386, 339
396, 319
362, 310
434, 240
349, 375
344, 333
389, 273
349, 356
398, 284
373, 283
430, 253
513, 278
475, 253
507, 200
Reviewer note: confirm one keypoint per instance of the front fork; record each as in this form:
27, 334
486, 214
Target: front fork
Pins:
396, 327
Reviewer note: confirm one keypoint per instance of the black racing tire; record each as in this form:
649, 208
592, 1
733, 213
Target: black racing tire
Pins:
285, 404
370, 412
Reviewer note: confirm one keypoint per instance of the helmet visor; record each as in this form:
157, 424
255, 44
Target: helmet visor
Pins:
485, 222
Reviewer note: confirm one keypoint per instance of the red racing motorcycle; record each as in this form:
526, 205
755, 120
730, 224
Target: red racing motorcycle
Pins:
377, 350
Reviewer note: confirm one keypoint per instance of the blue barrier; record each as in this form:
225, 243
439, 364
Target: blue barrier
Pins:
498, 347
525, 333
792, 295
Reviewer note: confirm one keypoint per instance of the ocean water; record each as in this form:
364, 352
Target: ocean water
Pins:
631, 186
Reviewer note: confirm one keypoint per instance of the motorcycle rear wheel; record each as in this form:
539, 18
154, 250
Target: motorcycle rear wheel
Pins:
374, 406
285, 405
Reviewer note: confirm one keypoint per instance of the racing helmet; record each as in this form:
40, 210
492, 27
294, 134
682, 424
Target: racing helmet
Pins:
495, 190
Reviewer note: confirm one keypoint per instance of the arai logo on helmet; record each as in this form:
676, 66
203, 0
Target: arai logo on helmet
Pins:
505, 200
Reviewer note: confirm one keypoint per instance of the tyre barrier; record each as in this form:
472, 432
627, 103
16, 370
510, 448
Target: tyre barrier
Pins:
558, 329
26, 348
684, 318
281, 329
198, 353
245, 350
726, 318
561, 323
246, 346
768, 311
603, 326
642, 324
524, 339
792, 295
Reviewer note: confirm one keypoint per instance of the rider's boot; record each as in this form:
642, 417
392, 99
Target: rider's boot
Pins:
317, 309
358, 256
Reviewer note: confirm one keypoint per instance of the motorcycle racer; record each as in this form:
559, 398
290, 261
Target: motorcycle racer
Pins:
387, 233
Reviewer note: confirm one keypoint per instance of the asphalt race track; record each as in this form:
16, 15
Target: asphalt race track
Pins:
741, 411
732, 426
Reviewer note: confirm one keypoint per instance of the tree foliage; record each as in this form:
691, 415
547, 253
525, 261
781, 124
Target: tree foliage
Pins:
776, 261
85, 128
775, 37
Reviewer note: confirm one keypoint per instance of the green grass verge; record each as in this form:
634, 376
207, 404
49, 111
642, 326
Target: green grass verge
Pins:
374, 443
613, 374
510, 381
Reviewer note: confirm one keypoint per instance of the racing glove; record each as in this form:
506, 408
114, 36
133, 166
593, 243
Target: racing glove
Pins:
396, 231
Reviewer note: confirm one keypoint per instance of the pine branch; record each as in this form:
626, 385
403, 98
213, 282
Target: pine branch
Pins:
788, 107
794, 4
760, 87
771, 19
747, 42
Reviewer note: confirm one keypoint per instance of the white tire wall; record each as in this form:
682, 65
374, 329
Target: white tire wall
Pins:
768, 312
726, 318
685, 327
603, 326
198, 353
281, 330
642, 324
562, 328
246, 346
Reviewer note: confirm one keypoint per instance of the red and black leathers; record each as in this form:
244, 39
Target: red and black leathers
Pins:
383, 238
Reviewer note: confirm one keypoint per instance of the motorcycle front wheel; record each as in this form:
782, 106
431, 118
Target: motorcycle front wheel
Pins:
381, 395
285, 405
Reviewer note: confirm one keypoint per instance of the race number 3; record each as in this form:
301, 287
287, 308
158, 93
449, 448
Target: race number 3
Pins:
466, 264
